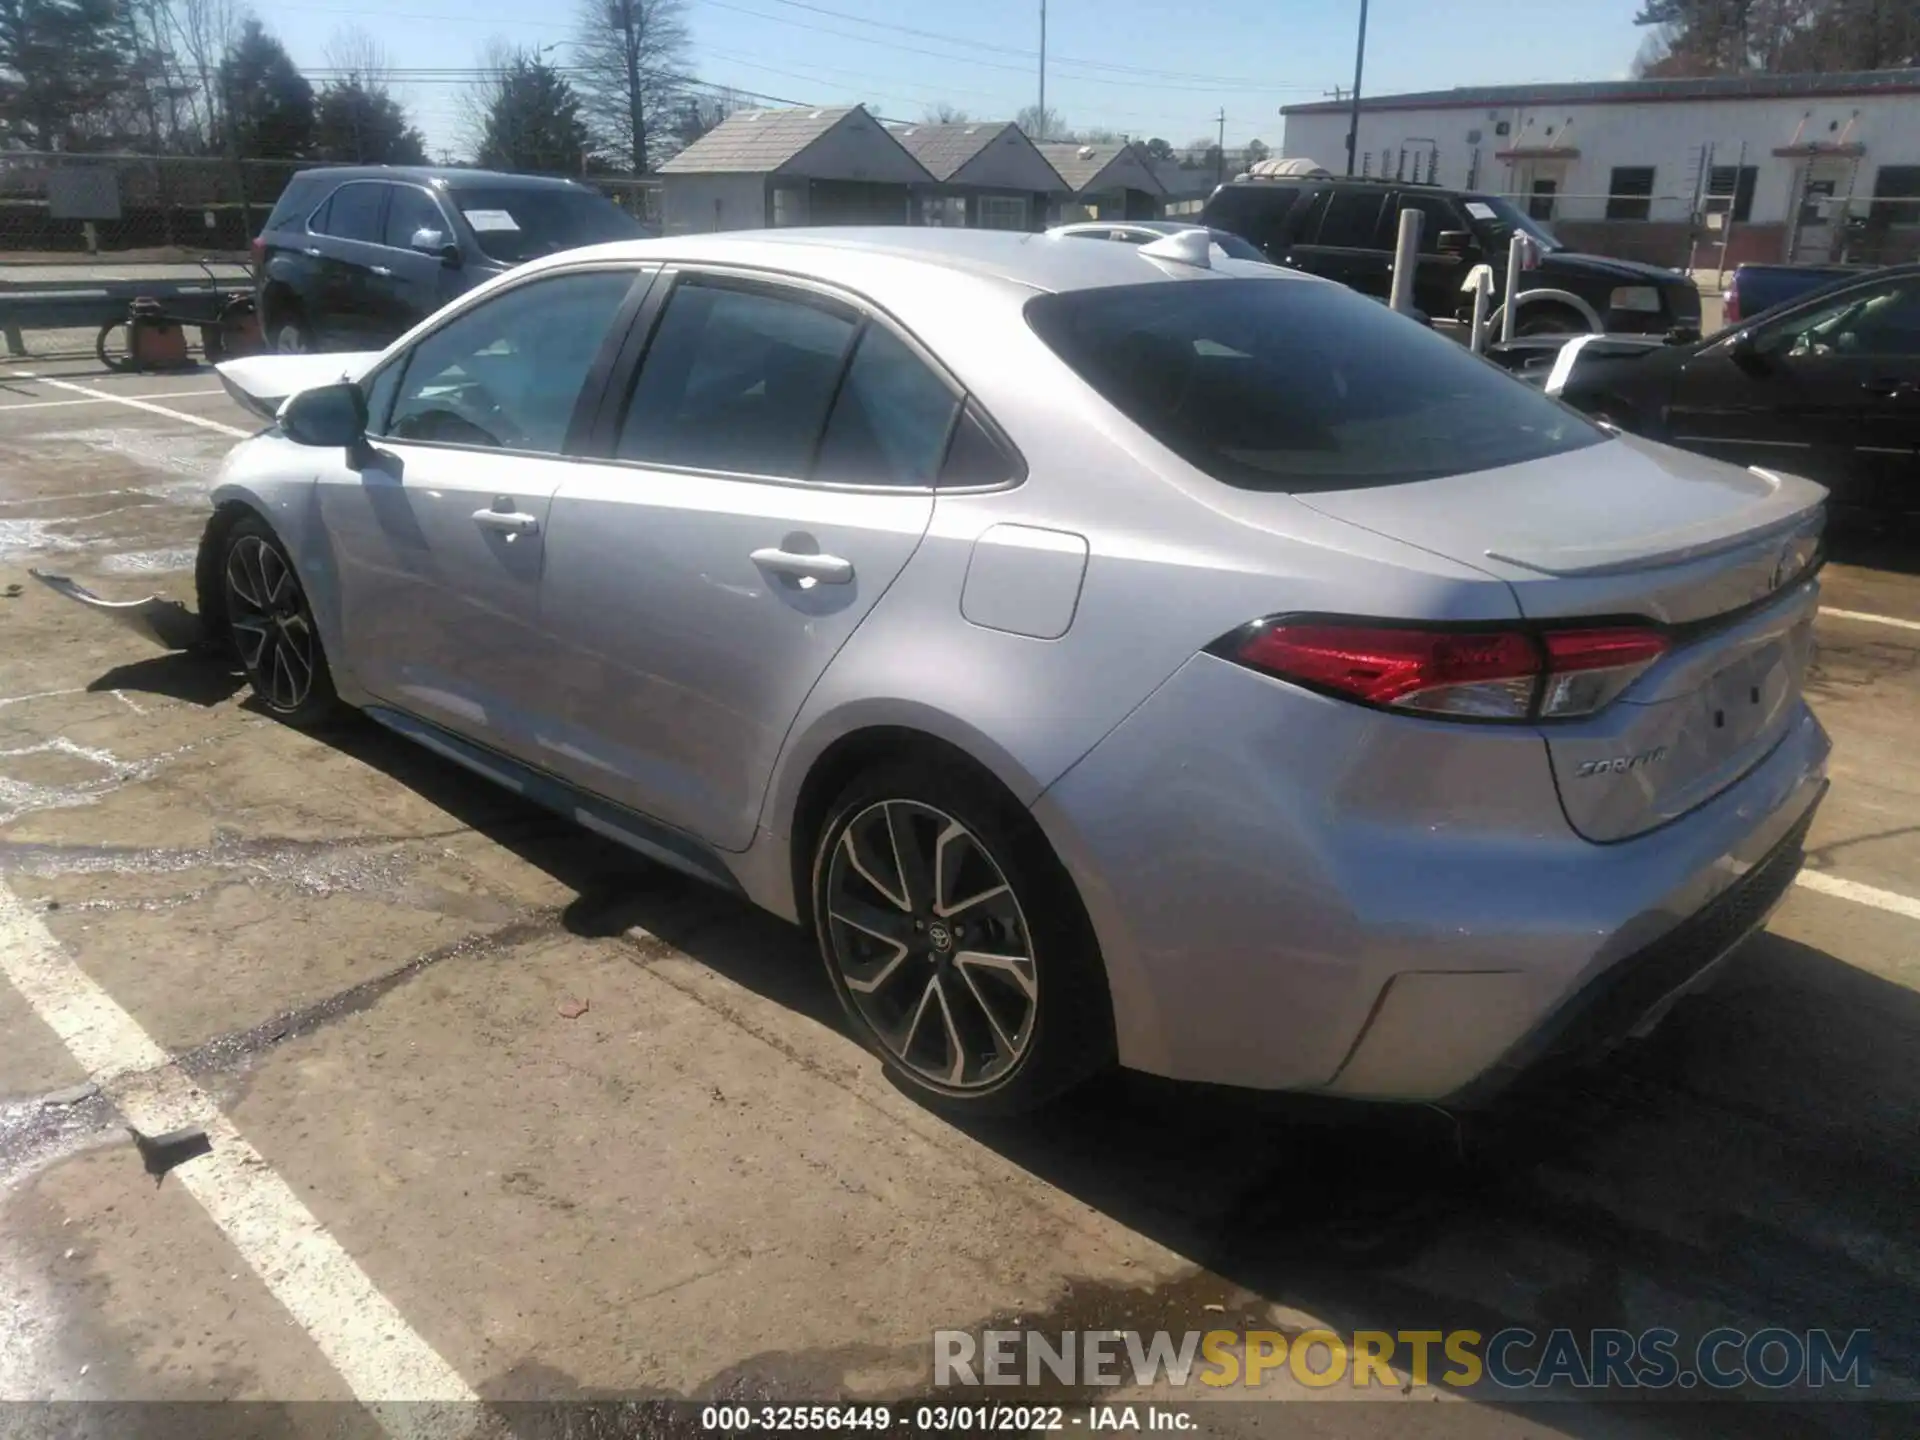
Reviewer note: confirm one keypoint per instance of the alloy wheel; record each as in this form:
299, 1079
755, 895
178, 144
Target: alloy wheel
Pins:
271, 628
930, 942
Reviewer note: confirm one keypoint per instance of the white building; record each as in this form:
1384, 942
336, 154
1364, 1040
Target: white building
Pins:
1771, 167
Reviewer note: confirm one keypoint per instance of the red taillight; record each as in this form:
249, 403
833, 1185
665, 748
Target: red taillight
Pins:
259, 249
1730, 307
1479, 674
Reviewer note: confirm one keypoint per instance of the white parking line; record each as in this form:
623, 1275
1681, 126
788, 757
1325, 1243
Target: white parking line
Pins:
1825, 884
133, 404
104, 399
1870, 619
389, 1368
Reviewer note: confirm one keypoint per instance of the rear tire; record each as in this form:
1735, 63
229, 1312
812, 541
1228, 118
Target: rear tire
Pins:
956, 943
271, 627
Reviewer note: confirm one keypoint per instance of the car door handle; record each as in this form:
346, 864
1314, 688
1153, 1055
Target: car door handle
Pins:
1887, 387
382, 271
826, 569
313, 250
507, 522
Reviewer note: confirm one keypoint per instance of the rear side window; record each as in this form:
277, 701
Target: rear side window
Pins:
1297, 386
354, 212
1259, 213
296, 202
737, 380
891, 419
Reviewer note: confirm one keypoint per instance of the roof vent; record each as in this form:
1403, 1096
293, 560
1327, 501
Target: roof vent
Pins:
971, 130
1086, 152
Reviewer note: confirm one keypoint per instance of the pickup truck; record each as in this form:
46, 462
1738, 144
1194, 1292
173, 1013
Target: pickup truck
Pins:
1761, 287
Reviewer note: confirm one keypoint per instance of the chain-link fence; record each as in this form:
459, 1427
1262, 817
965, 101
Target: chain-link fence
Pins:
60, 207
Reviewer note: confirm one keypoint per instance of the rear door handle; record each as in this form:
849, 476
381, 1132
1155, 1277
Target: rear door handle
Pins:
825, 569
507, 522
313, 250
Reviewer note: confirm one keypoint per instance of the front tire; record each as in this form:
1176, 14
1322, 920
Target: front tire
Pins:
271, 626
955, 942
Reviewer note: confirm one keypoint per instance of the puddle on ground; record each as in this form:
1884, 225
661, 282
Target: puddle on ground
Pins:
71, 774
149, 562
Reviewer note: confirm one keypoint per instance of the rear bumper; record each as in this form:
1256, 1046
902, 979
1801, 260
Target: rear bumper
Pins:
1289, 896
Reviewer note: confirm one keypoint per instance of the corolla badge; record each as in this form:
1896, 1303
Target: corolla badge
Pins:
1621, 764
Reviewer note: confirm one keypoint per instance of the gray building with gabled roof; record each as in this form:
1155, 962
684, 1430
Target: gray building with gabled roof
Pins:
833, 165
985, 174
1105, 181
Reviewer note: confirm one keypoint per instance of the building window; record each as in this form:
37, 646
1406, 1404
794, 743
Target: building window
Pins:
1730, 187
1630, 193
1896, 194
1001, 212
1540, 202
945, 210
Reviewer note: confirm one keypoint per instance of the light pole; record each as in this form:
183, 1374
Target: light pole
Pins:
1359, 65
1043, 72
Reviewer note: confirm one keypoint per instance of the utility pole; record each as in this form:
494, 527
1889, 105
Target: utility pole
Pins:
1220, 150
1043, 71
1359, 65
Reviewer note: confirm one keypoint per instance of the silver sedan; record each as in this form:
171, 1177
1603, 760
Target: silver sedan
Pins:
1113, 654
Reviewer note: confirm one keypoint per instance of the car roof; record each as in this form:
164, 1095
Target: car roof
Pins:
453, 177
874, 259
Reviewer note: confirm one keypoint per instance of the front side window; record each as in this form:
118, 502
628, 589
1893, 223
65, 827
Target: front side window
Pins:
508, 373
1436, 216
1297, 386
409, 211
1880, 322
1352, 220
354, 211
738, 380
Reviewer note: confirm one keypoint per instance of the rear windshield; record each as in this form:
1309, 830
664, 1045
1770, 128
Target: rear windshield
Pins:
512, 225
1299, 385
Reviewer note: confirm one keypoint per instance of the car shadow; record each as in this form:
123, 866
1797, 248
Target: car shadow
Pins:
1752, 1163
184, 675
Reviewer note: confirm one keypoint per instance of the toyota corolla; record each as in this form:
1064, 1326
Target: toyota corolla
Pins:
1113, 655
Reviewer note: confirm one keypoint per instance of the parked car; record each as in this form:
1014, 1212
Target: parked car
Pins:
1195, 666
352, 258
1145, 232
1345, 230
1827, 386
1754, 288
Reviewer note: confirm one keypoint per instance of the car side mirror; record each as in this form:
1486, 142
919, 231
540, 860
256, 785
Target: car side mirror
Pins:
1747, 352
327, 417
1453, 242
435, 242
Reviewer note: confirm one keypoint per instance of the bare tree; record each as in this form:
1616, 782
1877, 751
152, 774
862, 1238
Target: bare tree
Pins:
943, 114
360, 59
199, 33
1048, 124
631, 59
497, 61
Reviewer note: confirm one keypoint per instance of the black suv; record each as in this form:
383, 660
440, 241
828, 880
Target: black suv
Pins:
1345, 230
352, 258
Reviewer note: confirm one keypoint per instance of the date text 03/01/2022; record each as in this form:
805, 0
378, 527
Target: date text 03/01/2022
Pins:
938, 1419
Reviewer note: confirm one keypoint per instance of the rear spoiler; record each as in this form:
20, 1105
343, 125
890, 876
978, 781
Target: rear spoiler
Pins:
262, 383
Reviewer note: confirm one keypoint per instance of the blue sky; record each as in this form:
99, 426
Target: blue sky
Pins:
1143, 67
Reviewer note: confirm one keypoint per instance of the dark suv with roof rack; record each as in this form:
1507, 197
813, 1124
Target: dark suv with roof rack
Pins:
353, 258
1344, 229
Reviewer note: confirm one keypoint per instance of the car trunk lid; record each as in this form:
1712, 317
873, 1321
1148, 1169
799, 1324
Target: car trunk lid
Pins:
1721, 558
